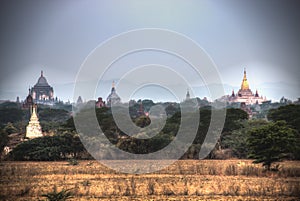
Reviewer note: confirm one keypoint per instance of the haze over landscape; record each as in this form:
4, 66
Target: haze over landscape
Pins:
56, 37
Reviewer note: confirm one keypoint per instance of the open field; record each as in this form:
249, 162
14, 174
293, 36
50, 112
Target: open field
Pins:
184, 180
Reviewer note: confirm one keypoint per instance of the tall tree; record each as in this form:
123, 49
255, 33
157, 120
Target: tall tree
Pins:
291, 115
237, 139
271, 143
288, 113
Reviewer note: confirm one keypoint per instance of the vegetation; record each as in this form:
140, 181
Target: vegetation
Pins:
183, 180
3, 140
10, 115
266, 142
63, 141
49, 148
62, 195
289, 113
271, 143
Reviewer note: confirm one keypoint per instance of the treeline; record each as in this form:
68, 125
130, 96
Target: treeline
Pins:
277, 137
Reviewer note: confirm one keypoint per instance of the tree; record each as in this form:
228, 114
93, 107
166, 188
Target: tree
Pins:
142, 121
291, 115
233, 118
9, 128
237, 139
48, 148
288, 113
10, 115
271, 143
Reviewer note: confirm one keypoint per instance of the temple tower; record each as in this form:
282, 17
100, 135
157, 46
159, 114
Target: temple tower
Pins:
34, 129
187, 96
42, 92
245, 84
113, 97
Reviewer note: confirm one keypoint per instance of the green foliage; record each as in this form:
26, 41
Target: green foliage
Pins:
48, 148
54, 115
59, 196
233, 118
9, 128
73, 161
291, 115
10, 115
65, 144
288, 113
9, 104
271, 143
237, 139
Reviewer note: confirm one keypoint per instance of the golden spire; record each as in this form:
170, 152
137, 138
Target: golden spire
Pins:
245, 84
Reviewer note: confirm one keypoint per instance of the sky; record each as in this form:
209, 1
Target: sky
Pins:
57, 36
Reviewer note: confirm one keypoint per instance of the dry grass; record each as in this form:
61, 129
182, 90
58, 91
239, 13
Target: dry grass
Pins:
184, 180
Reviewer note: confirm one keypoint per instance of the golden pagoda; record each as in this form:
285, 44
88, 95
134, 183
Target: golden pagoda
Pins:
34, 129
245, 84
245, 95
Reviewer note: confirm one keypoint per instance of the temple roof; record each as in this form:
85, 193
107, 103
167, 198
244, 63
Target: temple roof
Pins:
42, 81
113, 96
245, 84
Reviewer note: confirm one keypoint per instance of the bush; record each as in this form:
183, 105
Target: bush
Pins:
73, 161
59, 196
48, 148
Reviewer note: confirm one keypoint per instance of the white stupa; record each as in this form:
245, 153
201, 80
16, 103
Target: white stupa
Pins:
34, 129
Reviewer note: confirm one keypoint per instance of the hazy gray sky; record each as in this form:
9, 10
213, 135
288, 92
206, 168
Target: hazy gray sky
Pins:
56, 37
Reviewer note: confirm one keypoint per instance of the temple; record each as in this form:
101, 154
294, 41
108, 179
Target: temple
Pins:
187, 96
113, 97
42, 92
245, 95
34, 129
28, 103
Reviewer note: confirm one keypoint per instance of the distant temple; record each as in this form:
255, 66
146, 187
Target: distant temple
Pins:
34, 129
141, 111
42, 92
100, 103
188, 96
113, 97
28, 103
245, 94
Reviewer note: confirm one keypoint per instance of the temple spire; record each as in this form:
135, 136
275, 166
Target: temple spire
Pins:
34, 128
113, 89
187, 97
245, 84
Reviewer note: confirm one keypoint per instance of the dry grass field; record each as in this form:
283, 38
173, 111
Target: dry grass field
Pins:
184, 180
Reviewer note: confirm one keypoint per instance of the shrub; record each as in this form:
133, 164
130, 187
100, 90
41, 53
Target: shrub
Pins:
59, 196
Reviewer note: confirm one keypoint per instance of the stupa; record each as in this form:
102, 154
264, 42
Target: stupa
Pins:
34, 129
113, 97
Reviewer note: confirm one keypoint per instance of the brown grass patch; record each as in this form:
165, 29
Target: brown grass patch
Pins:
183, 180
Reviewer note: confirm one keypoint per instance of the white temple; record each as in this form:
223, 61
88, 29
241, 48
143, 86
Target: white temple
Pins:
33, 129
113, 97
